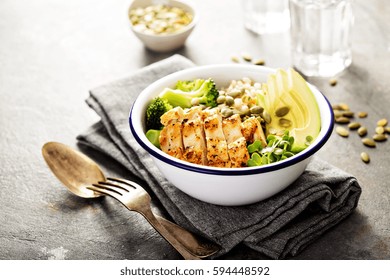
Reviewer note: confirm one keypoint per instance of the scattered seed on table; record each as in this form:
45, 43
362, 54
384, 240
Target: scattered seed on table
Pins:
235, 59
382, 122
259, 62
369, 142
342, 131
344, 106
362, 131
362, 115
365, 157
348, 114
387, 129
246, 57
333, 82
342, 120
337, 113
380, 130
379, 137
336, 107
354, 125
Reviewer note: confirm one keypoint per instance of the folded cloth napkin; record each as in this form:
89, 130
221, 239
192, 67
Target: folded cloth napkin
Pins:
279, 227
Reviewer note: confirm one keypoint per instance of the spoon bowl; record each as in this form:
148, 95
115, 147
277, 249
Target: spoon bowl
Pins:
74, 169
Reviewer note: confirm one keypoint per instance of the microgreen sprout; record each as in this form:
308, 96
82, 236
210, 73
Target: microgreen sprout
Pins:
278, 148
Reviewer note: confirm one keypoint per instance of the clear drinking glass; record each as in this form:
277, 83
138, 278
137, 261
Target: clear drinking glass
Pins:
266, 16
321, 36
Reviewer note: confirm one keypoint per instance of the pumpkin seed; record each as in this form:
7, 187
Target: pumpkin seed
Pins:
337, 113
266, 116
235, 59
342, 120
362, 114
159, 19
348, 114
369, 142
336, 107
365, 157
387, 129
362, 131
282, 111
333, 82
256, 110
354, 125
380, 137
246, 57
259, 62
344, 106
285, 123
382, 122
342, 131
380, 130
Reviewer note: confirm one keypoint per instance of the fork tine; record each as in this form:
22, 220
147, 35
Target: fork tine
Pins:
126, 182
116, 186
113, 186
105, 190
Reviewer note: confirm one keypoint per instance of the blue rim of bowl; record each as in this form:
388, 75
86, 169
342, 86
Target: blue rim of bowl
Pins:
240, 171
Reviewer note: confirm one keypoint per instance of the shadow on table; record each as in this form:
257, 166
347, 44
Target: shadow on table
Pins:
354, 238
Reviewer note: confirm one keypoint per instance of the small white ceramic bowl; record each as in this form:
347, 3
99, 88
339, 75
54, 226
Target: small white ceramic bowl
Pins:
226, 186
165, 42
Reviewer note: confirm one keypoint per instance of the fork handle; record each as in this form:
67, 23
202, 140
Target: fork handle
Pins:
198, 245
151, 218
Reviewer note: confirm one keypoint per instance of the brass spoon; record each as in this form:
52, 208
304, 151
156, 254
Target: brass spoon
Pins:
78, 172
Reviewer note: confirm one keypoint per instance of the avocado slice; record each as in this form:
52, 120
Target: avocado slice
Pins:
292, 106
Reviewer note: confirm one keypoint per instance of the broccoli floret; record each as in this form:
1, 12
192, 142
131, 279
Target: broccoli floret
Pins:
188, 86
154, 111
189, 93
153, 136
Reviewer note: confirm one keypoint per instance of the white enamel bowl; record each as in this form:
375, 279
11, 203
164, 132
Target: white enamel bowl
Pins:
167, 42
226, 186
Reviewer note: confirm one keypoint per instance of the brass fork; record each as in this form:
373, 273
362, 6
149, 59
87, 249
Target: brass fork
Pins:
135, 198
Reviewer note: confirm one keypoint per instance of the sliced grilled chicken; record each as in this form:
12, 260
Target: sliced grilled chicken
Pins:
194, 141
171, 141
232, 128
252, 130
237, 151
174, 115
217, 151
202, 137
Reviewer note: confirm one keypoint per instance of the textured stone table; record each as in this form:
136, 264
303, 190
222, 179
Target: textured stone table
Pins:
53, 52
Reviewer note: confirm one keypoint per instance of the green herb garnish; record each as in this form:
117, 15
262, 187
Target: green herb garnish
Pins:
278, 148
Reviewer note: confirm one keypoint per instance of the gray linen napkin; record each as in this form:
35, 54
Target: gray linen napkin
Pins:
279, 227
